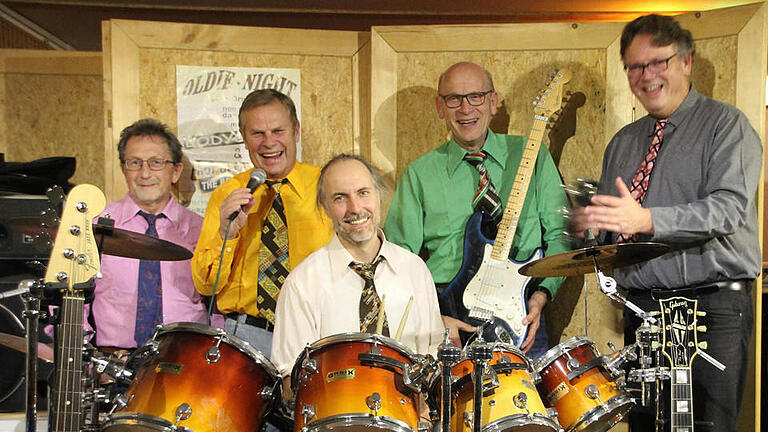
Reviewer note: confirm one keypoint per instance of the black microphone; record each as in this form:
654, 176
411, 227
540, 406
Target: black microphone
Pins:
258, 177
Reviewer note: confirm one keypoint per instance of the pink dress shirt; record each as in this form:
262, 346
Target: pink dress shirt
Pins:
114, 304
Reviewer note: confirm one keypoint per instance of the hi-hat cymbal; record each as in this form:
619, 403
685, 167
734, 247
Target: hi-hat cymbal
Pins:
581, 261
18, 343
115, 241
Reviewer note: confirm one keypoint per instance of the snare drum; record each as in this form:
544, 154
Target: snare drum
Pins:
510, 399
201, 379
353, 381
575, 382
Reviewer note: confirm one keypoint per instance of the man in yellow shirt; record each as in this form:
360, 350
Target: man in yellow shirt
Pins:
263, 233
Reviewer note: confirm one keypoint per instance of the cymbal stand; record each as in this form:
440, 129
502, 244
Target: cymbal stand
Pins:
448, 355
480, 353
32, 313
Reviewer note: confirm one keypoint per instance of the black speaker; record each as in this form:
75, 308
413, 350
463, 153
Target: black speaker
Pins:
14, 245
12, 386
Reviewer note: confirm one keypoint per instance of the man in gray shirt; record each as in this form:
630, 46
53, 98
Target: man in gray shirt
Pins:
685, 175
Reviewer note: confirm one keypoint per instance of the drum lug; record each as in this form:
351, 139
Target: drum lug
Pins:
552, 413
593, 393
183, 412
468, 419
521, 401
214, 353
267, 392
119, 402
374, 402
308, 412
310, 367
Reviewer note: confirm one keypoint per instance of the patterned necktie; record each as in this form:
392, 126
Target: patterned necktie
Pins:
486, 198
273, 254
149, 299
370, 304
639, 185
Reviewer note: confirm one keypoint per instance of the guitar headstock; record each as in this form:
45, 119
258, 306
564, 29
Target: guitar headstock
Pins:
680, 341
550, 98
75, 257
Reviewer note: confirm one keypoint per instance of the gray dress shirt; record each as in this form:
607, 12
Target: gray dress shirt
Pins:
701, 194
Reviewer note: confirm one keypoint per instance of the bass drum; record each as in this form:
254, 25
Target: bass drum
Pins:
200, 379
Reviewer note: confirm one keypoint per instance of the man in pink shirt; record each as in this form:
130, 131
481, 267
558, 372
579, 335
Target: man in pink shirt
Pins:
136, 295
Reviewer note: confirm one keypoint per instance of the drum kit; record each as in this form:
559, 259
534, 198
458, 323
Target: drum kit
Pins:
194, 378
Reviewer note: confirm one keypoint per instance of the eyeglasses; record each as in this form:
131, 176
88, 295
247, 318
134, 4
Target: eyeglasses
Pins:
153, 164
474, 99
656, 66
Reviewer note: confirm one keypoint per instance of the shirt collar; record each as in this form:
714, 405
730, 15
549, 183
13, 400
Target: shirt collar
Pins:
340, 257
680, 114
297, 181
172, 210
494, 146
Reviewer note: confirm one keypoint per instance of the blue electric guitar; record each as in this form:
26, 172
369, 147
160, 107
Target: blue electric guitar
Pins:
488, 286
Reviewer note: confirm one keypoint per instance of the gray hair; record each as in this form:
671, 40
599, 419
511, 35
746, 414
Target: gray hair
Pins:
375, 176
149, 127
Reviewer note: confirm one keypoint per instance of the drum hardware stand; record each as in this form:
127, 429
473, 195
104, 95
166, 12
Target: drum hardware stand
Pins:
448, 355
32, 292
480, 354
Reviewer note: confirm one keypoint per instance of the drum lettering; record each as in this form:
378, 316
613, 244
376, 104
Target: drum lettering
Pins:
342, 374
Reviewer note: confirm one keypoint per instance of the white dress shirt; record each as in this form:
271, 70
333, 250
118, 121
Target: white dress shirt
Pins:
321, 297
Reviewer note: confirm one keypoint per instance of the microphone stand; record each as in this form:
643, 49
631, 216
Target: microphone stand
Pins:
32, 314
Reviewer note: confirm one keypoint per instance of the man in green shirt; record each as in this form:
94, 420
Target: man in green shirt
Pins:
434, 199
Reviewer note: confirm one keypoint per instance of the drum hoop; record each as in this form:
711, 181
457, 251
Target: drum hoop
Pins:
503, 347
592, 416
123, 418
360, 337
358, 419
556, 351
506, 422
230, 339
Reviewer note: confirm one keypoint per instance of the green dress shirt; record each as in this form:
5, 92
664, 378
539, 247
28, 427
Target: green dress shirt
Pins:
433, 203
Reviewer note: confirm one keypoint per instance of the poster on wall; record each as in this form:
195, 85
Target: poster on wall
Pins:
208, 100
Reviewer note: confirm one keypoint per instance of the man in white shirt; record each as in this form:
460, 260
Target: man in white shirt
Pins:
322, 295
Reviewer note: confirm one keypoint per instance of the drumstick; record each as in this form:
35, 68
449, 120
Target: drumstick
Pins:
380, 319
404, 319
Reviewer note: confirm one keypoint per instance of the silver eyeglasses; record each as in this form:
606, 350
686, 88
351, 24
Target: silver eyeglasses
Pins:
153, 164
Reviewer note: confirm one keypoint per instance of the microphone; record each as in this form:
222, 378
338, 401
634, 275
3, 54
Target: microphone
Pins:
258, 177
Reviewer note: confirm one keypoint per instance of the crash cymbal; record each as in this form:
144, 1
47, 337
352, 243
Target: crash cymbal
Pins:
18, 343
580, 261
114, 241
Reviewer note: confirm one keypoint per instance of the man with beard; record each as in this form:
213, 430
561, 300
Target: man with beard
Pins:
328, 292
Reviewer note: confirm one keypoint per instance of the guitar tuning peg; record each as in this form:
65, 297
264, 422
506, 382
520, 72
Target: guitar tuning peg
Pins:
702, 345
701, 313
42, 242
49, 218
654, 313
701, 328
655, 345
55, 195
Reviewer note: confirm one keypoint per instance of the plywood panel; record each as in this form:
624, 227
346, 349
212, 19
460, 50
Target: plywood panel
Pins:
51, 105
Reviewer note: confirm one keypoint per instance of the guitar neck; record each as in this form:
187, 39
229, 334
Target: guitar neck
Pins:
68, 394
682, 400
511, 217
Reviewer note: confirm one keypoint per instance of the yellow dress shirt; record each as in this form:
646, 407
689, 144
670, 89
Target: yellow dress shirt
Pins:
308, 230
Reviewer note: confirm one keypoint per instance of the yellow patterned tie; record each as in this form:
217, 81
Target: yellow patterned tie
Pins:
273, 255
370, 303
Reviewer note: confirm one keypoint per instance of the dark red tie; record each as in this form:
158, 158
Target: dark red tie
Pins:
639, 185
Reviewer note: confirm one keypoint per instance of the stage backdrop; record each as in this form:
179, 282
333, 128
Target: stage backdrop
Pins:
51, 105
730, 65
140, 60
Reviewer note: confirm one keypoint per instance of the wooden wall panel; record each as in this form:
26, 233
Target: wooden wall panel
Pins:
51, 105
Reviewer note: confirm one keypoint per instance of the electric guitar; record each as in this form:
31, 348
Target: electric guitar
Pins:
74, 260
680, 345
488, 287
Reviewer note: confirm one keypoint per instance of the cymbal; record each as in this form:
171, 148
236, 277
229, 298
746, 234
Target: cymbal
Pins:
580, 261
18, 343
115, 241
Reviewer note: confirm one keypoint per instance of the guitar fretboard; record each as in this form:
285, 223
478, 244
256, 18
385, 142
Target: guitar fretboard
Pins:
68, 396
682, 400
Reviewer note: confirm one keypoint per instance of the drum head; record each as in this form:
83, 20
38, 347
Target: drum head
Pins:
14, 362
556, 351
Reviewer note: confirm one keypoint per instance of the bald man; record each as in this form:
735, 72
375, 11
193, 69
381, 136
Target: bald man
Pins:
435, 197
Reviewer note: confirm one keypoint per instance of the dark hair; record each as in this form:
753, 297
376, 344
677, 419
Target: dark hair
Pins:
375, 176
263, 97
149, 127
664, 30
